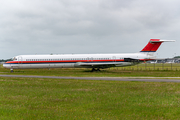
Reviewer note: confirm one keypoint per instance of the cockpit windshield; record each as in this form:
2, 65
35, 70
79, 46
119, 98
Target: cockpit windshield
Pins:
14, 58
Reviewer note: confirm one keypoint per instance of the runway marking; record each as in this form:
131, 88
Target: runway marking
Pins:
142, 79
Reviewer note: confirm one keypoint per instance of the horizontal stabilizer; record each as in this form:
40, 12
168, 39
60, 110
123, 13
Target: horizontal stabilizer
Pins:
158, 40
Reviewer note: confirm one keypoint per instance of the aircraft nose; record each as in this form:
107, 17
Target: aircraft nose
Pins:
7, 65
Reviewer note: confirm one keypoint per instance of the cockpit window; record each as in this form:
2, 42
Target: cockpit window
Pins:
14, 59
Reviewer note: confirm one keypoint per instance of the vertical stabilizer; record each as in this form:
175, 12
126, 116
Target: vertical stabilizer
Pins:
154, 44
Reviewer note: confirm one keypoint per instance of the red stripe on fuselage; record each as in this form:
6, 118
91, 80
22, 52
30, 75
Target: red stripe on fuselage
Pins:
67, 61
63, 61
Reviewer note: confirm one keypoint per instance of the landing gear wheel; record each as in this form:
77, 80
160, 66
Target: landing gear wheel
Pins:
12, 71
93, 69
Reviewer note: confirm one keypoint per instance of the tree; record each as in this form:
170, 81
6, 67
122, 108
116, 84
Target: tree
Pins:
177, 57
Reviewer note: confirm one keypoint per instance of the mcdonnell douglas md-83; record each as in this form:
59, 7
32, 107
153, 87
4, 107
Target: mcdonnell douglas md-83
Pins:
94, 61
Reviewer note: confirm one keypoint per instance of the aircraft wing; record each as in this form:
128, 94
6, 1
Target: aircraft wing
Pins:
126, 62
98, 65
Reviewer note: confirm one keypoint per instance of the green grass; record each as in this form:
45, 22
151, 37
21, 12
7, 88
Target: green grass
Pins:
33, 98
38, 98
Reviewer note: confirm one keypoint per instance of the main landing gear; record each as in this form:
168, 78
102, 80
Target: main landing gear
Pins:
93, 69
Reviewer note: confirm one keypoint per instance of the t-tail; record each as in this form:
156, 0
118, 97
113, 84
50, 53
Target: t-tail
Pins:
153, 45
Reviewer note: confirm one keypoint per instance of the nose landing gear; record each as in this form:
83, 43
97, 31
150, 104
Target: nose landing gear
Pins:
11, 70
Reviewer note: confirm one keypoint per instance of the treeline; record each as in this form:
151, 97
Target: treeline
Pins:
177, 57
2, 60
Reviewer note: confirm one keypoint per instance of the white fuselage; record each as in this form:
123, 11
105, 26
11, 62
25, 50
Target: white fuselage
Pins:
75, 60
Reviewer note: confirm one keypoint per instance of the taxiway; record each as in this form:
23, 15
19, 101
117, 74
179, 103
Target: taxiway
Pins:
142, 79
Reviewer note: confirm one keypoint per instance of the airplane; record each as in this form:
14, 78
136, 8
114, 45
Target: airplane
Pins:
94, 61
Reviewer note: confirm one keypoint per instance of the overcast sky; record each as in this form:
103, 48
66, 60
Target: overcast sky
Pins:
87, 26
